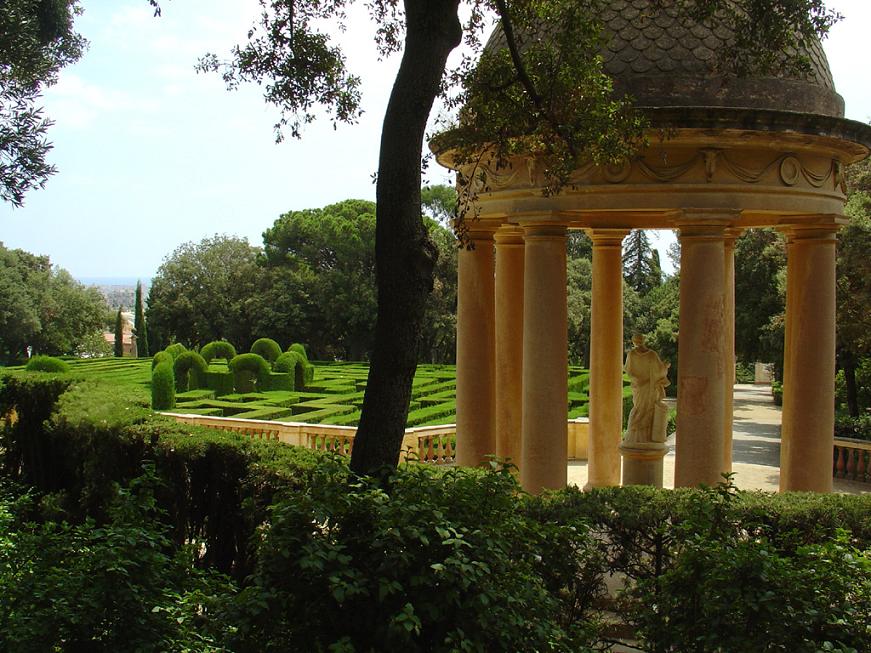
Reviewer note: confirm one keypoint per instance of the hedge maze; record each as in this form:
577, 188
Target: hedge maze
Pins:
332, 393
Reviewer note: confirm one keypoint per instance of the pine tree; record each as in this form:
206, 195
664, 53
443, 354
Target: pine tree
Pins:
641, 267
139, 324
119, 334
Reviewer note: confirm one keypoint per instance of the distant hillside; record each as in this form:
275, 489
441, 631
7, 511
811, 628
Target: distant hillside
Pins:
118, 291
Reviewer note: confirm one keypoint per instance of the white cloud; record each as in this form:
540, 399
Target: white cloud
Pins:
75, 102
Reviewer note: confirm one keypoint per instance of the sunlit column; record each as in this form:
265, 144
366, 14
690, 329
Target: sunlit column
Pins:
509, 342
606, 358
475, 351
809, 388
701, 344
544, 454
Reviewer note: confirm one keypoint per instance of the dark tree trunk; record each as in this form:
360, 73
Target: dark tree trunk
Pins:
404, 255
848, 364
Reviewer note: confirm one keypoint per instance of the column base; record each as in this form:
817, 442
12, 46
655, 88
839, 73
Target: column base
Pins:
642, 463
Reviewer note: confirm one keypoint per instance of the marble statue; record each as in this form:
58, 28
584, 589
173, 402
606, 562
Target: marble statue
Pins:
649, 416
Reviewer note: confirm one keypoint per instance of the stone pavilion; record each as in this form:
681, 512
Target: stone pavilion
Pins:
724, 155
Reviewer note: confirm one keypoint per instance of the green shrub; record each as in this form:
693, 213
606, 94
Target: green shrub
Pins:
299, 349
250, 372
47, 364
175, 349
308, 368
433, 564
857, 428
218, 349
745, 372
267, 348
162, 357
163, 387
114, 587
190, 371
777, 392
290, 362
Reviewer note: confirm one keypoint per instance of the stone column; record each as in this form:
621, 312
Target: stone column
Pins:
606, 359
544, 455
701, 368
475, 351
729, 351
809, 389
509, 342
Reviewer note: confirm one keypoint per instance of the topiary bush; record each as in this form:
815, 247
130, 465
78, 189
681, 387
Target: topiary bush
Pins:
267, 348
290, 362
175, 349
190, 371
47, 364
218, 349
163, 387
308, 368
250, 372
162, 357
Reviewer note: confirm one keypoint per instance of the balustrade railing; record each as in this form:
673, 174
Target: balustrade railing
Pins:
852, 460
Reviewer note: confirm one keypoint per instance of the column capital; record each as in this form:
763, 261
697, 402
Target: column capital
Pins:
806, 232
543, 231
508, 235
607, 237
702, 217
480, 232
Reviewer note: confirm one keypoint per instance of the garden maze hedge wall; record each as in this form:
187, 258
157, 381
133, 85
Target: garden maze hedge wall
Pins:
333, 396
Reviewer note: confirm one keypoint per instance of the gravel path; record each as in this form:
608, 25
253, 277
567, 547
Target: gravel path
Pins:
755, 446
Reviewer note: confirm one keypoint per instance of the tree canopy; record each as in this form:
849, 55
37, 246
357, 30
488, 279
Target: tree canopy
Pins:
44, 308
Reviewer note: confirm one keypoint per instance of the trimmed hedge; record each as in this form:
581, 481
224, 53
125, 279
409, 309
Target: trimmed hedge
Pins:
99, 434
163, 387
190, 371
218, 349
162, 357
250, 370
267, 348
47, 364
175, 349
441, 560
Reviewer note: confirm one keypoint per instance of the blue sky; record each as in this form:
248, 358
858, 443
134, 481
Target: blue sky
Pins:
151, 154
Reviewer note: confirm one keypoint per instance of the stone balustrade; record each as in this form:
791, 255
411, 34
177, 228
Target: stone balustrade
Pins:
435, 445
852, 460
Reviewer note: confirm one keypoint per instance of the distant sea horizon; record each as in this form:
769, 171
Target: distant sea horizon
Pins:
114, 281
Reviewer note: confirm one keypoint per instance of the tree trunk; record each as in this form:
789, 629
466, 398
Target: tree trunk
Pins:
404, 255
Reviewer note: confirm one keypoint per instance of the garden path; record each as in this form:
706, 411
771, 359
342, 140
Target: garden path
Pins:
755, 446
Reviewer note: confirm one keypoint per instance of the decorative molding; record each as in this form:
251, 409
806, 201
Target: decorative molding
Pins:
786, 168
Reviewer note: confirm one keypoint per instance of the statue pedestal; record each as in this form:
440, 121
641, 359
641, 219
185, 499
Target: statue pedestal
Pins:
642, 463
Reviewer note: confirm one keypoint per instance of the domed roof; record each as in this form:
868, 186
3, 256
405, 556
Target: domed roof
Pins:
663, 58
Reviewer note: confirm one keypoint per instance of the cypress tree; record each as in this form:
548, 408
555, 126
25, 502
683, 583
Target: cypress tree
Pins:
139, 324
119, 334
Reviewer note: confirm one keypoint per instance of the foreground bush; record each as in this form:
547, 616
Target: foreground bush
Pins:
413, 563
419, 560
47, 364
118, 586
